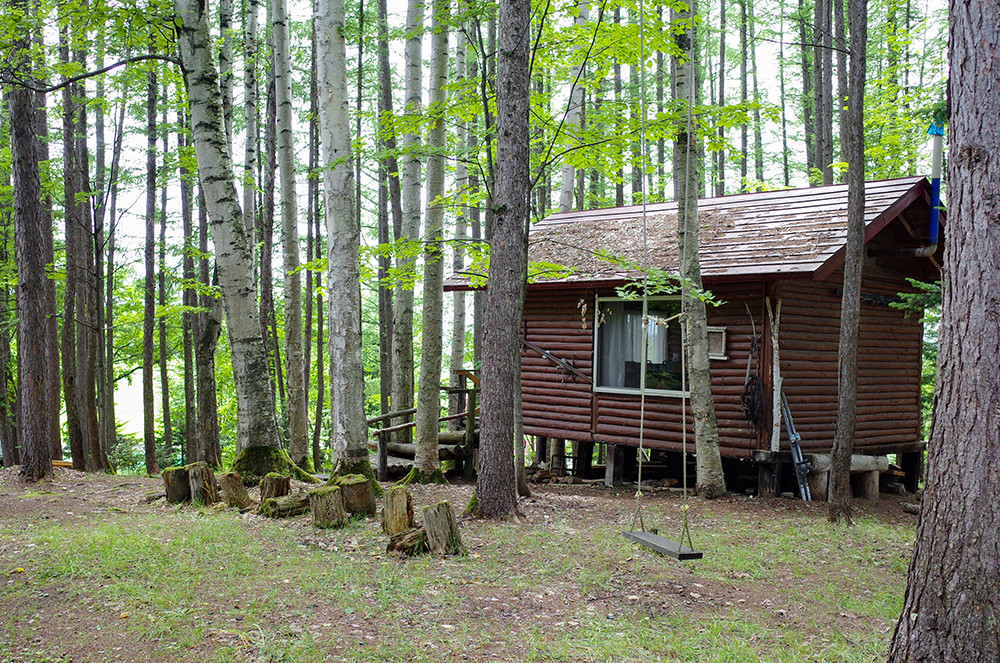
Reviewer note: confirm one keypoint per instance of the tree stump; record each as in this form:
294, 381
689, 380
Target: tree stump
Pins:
442, 530
175, 484
359, 496
287, 506
409, 542
274, 485
327, 505
397, 511
233, 490
201, 480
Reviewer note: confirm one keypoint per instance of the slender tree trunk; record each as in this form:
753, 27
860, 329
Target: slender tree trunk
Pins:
251, 116
312, 251
842, 99
161, 288
574, 112
620, 175
850, 307
951, 608
206, 330
720, 156
758, 143
298, 417
149, 290
426, 465
495, 486
388, 188
190, 300
349, 430
744, 78
808, 122
402, 340
226, 77
268, 320
457, 359
256, 425
109, 285
786, 173
823, 88
711, 482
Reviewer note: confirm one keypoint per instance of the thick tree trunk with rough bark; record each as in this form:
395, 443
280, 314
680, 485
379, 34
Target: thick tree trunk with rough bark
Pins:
29, 230
298, 421
349, 430
256, 424
952, 606
711, 482
425, 461
495, 485
853, 151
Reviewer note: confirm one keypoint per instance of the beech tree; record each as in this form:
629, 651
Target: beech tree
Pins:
952, 606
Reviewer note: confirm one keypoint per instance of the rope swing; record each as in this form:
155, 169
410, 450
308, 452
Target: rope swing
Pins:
683, 548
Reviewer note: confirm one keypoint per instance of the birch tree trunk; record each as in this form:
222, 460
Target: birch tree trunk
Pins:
298, 436
574, 111
711, 482
426, 465
457, 358
951, 608
251, 94
495, 484
348, 428
402, 331
256, 426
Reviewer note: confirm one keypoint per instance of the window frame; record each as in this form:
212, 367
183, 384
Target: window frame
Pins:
595, 371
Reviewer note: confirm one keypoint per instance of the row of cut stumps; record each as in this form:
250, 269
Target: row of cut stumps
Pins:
333, 505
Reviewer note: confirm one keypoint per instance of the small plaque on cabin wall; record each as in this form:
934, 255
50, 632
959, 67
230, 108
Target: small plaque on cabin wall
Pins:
717, 343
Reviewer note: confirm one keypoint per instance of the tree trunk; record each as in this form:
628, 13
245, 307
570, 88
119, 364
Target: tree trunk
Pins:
457, 358
402, 339
29, 245
809, 125
711, 482
149, 289
495, 487
190, 301
574, 110
298, 420
256, 425
426, 460
207, 328
251, 116
349, 430
850, 306
951, 607
720, 182
161, 293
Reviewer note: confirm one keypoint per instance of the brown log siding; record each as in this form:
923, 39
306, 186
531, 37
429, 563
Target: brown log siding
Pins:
559, 404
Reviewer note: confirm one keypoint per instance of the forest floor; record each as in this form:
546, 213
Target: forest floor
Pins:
97, 568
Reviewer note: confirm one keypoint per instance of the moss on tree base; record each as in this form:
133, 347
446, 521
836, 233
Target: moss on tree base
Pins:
416, 475
253, 463
472, 508
362, 467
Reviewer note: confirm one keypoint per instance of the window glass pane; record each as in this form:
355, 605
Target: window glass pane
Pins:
619, 352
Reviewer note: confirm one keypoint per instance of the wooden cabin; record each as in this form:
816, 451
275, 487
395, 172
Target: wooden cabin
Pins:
581, 352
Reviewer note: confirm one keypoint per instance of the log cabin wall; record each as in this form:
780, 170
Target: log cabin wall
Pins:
889, 363
559, 404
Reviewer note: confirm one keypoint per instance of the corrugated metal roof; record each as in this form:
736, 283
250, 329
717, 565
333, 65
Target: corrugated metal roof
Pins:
792, 233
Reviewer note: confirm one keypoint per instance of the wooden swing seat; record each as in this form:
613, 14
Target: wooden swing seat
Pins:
663, 546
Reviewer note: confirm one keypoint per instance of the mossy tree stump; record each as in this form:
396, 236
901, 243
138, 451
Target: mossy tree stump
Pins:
175, 484
288, 506
442, 530
201, 481
409, 542
274, 485
233, 491
327, 506
397, 511
359, 497
253, 463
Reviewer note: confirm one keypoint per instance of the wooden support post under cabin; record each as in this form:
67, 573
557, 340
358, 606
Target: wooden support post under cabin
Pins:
470, 464
557, 457
175, 484
912, 463
397, 511
583, 459
359, 496
327, 506
287, 506
233, 491
442, 529
274, 485
614, 465
541, 448
769, 467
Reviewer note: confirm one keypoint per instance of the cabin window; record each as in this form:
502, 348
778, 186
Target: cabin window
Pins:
618, 353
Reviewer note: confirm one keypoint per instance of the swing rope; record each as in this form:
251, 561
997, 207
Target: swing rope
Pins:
685, 537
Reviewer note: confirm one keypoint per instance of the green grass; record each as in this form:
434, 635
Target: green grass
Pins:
197, 584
